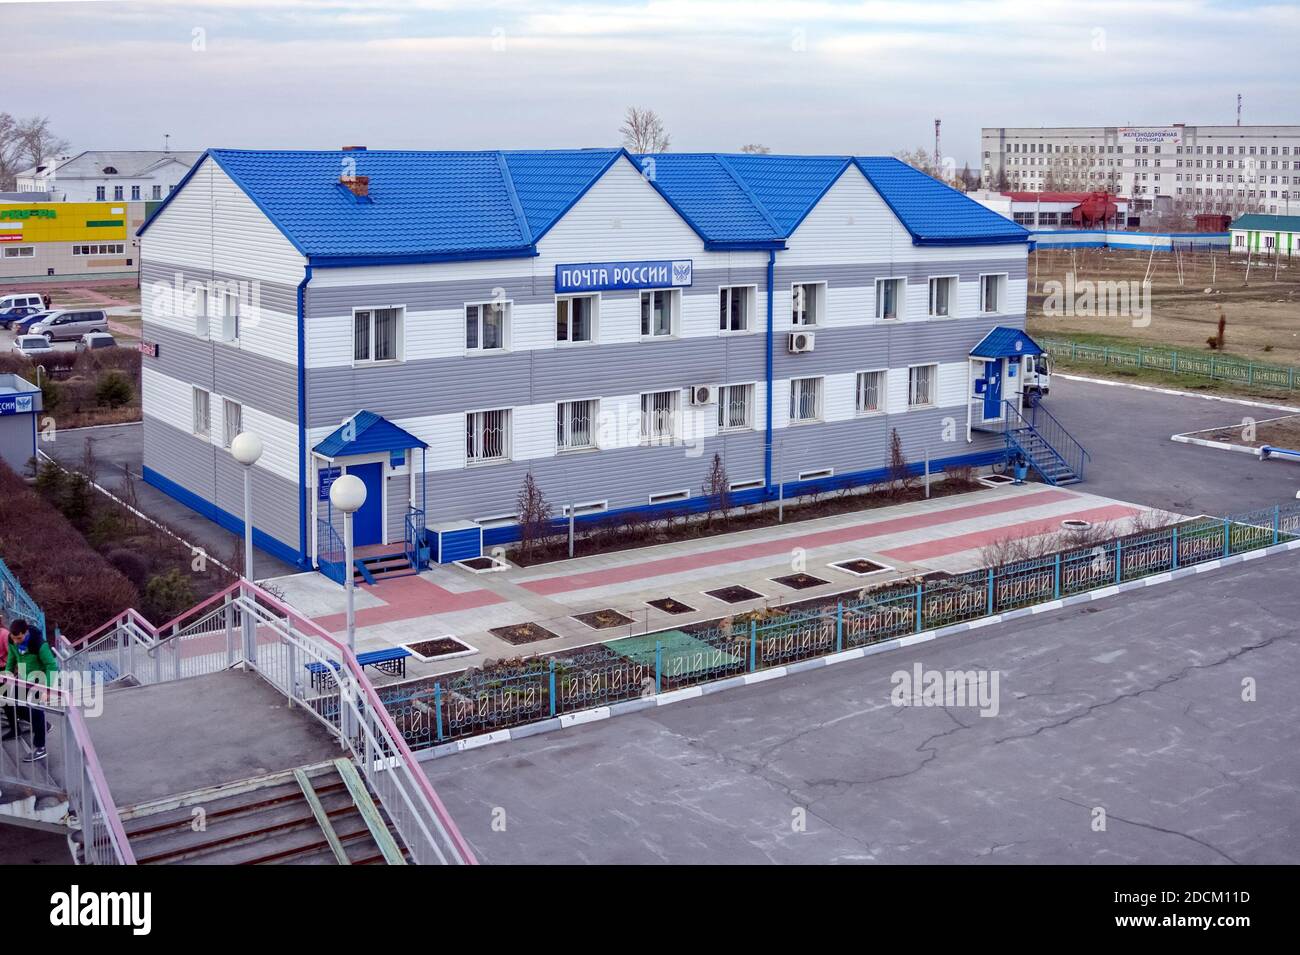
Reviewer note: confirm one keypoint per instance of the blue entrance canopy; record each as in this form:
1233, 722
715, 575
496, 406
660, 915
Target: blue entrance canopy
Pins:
367, 433
1005, 342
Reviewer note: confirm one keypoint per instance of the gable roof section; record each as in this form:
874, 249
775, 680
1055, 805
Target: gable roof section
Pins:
369, 434
1266, 223
446, 206
1003, 341
933, 213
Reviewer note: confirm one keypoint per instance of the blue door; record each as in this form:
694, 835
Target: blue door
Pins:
368, 521
993, 390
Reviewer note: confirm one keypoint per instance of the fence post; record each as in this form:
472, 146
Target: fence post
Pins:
1175, 545
1119, 560
552, 686
1211, 367
437, 708
1056, 577
918, 606
659, 656
753, 645
989, 606
1227, 538
1277, 515
839, 626
1175, 363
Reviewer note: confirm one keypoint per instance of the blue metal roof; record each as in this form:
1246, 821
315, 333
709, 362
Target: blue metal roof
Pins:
936, 214
434, 206
1005, 342
367, 433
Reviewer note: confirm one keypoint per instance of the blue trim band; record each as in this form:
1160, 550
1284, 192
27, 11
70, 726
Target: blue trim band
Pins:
769, 368
223, 518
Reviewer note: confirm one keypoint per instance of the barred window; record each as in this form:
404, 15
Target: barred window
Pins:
805, 399
487, 436
735, 404
920, 385
659, 416
575, 425
871, 392
202, 414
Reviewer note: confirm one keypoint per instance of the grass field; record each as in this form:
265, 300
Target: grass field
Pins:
1189, 291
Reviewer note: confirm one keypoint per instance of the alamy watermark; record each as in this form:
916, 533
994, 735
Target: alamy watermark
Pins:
959, 688
1086, 298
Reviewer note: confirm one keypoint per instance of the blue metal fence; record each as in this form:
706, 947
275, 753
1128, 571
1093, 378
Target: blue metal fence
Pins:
1192, 363
434, 710
16, 602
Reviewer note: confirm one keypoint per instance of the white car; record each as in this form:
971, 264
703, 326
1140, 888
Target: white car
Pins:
29, 346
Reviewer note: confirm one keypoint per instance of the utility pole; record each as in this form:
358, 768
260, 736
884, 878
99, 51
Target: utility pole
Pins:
1238, 109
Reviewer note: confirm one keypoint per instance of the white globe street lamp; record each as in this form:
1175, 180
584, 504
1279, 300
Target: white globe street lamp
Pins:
246, 448
348, 493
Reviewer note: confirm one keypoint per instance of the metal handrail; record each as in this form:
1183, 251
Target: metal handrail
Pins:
1063, 444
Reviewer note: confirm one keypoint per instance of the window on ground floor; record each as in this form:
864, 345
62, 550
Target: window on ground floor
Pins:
575, 425
232, 418
659, 416
805, 399
202, 413
921, 381
487, 436
735, 407
870, 392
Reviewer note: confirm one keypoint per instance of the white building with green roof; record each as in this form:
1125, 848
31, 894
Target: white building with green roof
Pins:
1265, 234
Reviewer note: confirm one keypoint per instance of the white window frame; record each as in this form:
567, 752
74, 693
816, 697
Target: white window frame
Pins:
954, 286
651, 439
230, 317
723, 393
201, 398
814, 310
1003, 280
397, 345
674, 313
584, 507
882, 389
499, 520
201, 325
507, 310
507, 446
933, 386
747, 485
227, 438
820, 399
900, 299
19, 251
751, 308
595, 315
816, 473
593, 427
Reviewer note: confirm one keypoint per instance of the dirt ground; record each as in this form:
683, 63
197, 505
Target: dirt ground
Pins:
1263, 317
1278, 432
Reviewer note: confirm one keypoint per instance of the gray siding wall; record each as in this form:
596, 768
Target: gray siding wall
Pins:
211, 473
16, 441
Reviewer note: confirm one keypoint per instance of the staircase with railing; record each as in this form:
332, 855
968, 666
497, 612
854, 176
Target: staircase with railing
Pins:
1043, 443
247, 626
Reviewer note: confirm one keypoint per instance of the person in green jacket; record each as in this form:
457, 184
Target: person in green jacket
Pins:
30, 659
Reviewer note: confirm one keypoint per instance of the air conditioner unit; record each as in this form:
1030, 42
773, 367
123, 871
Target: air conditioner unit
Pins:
800, 342
703, 395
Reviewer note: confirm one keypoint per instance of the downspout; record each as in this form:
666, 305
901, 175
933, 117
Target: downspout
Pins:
767, 437
303, 561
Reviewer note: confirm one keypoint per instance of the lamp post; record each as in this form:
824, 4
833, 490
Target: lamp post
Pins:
246, 448
348, 493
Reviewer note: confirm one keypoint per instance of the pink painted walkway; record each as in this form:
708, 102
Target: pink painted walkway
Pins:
928, 550
840, 535
409, 597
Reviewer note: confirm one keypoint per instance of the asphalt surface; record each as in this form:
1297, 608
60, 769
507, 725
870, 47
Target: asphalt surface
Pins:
1127, 433
1131, 706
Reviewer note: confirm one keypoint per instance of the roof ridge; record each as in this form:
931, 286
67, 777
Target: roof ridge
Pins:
525, 227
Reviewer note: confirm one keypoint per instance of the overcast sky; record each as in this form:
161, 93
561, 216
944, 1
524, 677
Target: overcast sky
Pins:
830, 77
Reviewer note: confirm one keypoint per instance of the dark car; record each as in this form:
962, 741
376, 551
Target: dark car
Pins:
93, 340
10, 315
22, 326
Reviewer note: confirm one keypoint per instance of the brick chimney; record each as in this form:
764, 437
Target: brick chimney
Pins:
359, 186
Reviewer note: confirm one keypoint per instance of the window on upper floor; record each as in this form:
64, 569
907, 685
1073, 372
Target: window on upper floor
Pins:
135, 193
943, 296
889, 298
575, 319
232, 419
156, 192
486, 326
734, 305
807, 303
377, 334
659, 310
100, 194
230, 317
993, 293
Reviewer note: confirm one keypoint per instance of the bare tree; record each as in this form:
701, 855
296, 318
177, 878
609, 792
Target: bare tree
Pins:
643, 131
534, 516
25, 143
717, 490
757, 148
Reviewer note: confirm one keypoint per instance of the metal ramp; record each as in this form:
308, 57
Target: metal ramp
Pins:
1044, 444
